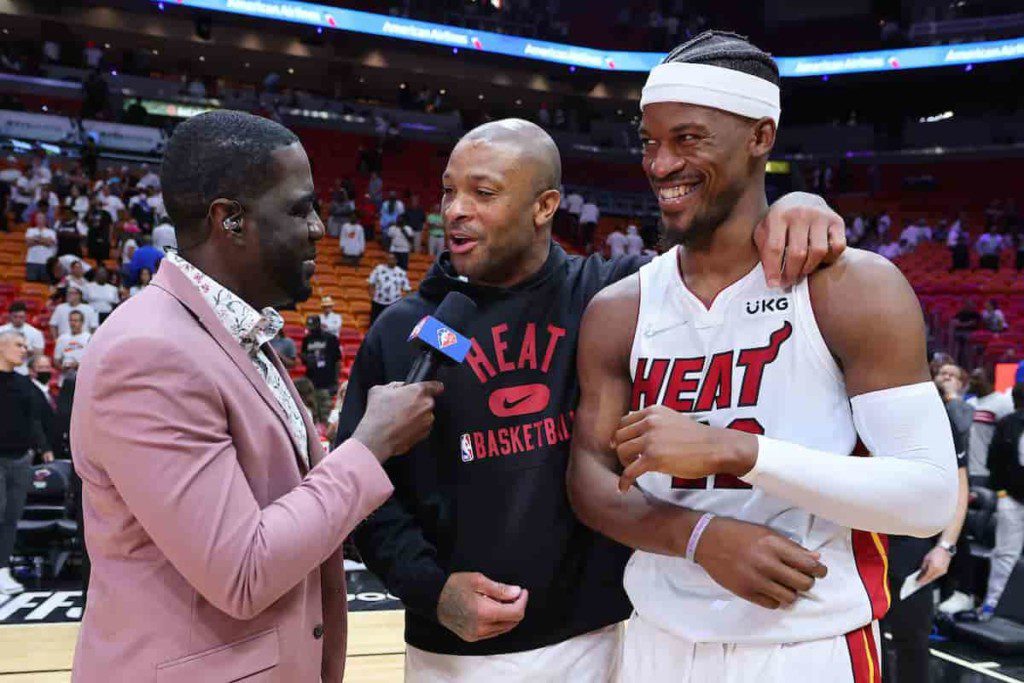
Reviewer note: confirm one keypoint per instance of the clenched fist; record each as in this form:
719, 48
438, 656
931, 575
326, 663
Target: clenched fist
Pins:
659, 439
397, 417
475, 608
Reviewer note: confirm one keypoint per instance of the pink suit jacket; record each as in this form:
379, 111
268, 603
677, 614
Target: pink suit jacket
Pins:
215, 554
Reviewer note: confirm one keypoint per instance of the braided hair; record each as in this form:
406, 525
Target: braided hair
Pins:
727, 50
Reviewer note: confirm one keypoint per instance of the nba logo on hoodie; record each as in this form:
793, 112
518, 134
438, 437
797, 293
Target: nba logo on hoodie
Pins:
467, 448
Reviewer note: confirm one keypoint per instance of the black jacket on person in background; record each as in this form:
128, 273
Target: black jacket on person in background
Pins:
21, 426
486, 491
1005, 470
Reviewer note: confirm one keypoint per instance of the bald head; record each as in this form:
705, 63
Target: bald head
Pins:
531, 144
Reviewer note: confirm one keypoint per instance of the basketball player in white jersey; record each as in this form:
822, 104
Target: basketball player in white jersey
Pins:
746, 401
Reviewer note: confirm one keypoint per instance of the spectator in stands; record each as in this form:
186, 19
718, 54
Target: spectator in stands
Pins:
988, 246
574, 205
98, 231
390, 211
156, 200
60, 323
21, 432
141, 210
149, 178
951, 381
353, 241
340, 210
966, 321
912, 235
55, 270
329, 320
388, 283
128, 246
308, 395
892, 250
76, 276
992, 318
18, 322
41, 241
909, 621
67, 262
855, 232
616, 242
959, 242
78, 202
164, 236
375, 189
146, 257
416, 218
400, 238
70, 232
634, 242
285, 349
145, 277
40, 373
46, 201
21, 196
111, 203
589, 216
435, 232
321, 353
1006, 474
101, 294
990, 406
70, 347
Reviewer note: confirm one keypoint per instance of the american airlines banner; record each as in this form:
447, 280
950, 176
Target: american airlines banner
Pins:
467, 41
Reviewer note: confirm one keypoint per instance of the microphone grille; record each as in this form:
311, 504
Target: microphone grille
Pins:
456, 310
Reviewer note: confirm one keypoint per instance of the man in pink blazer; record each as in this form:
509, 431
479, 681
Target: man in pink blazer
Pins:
213, 516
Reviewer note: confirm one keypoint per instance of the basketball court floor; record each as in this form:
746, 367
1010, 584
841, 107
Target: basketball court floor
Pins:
38, 630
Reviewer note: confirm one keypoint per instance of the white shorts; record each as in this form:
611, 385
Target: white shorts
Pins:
590, 658
651, 655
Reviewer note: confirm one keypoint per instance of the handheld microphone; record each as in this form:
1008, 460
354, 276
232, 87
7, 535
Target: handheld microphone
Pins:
439, 343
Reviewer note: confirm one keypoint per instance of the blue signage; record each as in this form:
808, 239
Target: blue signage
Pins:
458, 38
440, 337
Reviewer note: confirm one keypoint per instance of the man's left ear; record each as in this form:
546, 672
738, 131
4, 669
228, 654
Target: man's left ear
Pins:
545, 207
764, 137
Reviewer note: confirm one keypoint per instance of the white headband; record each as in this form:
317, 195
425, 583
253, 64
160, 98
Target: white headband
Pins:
712, 86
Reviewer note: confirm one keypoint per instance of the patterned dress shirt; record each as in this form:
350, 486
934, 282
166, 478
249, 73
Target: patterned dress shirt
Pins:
251, 329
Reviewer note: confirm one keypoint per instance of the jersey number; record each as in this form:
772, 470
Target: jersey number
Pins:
722, 481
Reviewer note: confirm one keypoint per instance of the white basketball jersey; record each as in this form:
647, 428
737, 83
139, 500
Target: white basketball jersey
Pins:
754, 361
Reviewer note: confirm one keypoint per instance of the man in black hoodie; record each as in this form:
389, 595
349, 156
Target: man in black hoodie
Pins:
1006, 475
479, 540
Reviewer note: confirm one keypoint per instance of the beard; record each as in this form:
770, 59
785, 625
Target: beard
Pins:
705, 222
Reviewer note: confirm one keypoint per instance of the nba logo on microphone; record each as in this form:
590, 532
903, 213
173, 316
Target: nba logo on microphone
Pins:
467, 448
446, 338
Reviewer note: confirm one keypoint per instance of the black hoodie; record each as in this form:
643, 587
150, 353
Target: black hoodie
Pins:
486, 491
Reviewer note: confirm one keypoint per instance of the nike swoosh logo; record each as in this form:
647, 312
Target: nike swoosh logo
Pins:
509, 405
651, 331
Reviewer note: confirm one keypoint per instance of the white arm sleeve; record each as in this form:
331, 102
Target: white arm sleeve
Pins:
908, 487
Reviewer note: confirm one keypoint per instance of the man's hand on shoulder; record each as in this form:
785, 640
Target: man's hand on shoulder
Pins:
797, 235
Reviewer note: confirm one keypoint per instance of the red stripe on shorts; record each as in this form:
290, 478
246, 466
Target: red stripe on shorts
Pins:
864, 662
870, 555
